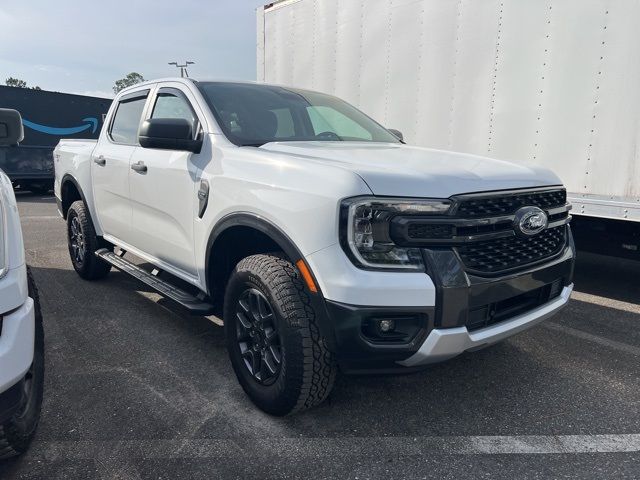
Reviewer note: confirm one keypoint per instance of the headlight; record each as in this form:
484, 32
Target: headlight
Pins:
365, 231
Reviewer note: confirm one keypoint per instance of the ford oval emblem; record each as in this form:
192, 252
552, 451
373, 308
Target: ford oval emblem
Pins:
530, 221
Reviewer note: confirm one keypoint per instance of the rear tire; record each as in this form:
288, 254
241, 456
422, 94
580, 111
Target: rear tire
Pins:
16, 433
83, 243
289, 345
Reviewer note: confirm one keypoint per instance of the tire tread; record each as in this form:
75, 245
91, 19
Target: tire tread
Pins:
319, 368
94, 267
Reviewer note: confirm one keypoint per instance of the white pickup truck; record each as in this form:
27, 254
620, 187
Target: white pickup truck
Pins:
322, 239
21, 331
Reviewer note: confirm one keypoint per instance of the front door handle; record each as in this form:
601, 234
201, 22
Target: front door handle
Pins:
100, 160
139, 167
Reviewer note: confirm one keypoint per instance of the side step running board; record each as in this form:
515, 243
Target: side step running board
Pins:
195, 305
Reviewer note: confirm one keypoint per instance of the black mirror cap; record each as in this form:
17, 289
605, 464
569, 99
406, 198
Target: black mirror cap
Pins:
397, 133
168, 134
11, 129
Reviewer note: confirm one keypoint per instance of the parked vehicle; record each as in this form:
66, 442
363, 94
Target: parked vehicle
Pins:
47, 117
552, 84
21, 332
320, 236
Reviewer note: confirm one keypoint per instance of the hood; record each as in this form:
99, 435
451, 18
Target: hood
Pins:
401, 170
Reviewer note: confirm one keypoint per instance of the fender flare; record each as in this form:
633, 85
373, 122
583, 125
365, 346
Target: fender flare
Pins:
246, 219
70, 178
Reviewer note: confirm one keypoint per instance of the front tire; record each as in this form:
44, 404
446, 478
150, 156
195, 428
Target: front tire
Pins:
83, 243
274, 343
16, 433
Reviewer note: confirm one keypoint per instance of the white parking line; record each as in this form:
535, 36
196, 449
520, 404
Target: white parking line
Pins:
605, 342
606, 302
39, 217
340, 447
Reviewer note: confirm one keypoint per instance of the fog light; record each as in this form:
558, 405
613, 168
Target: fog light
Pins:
386, 325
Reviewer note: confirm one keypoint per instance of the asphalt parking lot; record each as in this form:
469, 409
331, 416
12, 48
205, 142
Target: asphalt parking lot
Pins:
136, 389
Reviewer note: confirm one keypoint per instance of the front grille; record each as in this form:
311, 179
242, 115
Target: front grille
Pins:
508, 203
502, 254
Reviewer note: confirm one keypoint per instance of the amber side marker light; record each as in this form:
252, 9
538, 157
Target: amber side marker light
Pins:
306, 275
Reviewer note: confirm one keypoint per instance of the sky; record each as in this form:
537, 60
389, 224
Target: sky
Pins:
85, 46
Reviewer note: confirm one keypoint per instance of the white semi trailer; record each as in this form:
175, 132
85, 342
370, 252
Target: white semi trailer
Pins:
554, 83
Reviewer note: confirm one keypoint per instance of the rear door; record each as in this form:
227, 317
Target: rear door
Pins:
110, 166
164, 197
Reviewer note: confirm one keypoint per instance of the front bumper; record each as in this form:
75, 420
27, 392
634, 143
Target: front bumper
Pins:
445, 343
467, 313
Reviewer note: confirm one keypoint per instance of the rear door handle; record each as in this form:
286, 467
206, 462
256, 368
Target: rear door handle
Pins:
139, 167
100, 160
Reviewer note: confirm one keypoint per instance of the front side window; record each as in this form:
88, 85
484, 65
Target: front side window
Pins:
252, 115
173, 105
126, 122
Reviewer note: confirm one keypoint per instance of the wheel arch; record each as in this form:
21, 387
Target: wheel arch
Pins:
70, 191
244, 222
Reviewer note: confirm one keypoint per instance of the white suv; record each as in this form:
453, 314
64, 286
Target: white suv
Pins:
21, 332
319, 235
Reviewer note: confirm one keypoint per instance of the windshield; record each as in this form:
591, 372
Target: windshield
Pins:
252, 115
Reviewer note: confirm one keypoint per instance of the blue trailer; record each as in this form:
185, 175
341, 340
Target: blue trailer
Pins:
47, 118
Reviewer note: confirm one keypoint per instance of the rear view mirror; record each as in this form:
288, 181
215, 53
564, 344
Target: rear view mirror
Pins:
168, 134
11, 130
397, 133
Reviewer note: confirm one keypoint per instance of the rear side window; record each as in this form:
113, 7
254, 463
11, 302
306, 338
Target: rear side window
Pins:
126, 122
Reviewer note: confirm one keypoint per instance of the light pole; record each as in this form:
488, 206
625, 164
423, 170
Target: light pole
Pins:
183, 68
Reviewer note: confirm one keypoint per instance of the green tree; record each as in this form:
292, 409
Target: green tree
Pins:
131, 79
15, 82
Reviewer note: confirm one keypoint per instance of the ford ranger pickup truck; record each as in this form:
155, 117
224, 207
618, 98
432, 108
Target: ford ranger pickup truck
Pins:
320, 238
21, 330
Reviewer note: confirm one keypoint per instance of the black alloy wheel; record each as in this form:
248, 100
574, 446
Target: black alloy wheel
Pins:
257, 336
83, 243
77, 241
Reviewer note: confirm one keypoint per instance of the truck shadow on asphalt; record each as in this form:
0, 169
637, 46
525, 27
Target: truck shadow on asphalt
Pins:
27, 196
610, 277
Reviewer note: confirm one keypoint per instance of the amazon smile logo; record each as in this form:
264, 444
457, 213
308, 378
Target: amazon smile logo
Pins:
90, 123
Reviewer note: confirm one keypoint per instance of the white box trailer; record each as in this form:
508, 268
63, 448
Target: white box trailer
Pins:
555, 83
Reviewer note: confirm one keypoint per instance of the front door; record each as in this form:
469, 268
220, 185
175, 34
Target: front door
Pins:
110, 166
164, 194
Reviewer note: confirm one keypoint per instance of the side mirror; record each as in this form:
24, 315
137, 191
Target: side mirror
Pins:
11, 129
168, 134
397, 133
